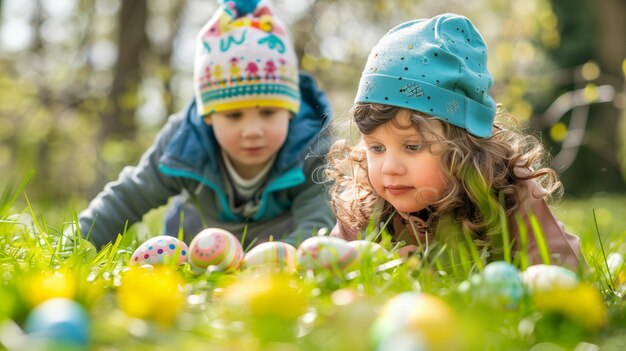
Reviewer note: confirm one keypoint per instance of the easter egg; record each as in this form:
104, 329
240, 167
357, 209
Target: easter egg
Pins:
58, 321
326, 252
368, 247
268, 305
154, 293
215, 248
502, 284
160, 250
617, 268
271, 255
47, 284
545, 277
427, 316
615, 263
370, 251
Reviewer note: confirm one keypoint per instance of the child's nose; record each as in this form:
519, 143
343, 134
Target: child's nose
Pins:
393, 165
252, 129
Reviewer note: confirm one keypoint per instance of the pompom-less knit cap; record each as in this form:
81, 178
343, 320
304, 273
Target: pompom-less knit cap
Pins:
437, 66
245, 59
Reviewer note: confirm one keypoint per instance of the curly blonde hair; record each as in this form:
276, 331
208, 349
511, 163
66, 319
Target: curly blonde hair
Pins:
485, 176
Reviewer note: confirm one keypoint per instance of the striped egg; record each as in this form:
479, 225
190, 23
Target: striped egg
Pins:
160, 250
215, 248
326, 253
273, 255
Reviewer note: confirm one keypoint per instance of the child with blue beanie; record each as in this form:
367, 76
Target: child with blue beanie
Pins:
243, 154
436, 161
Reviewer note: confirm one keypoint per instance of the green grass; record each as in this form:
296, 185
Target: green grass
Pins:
171, 308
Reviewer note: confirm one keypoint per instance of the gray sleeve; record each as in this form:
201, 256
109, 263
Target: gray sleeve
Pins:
311, 209
137, 190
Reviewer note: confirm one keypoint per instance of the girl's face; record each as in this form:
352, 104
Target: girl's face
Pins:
250, 136
401, 168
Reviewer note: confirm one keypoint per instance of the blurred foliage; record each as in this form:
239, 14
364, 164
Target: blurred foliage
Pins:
66, 94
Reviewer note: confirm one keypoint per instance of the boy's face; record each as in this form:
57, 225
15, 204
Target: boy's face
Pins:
250, 137
401, 168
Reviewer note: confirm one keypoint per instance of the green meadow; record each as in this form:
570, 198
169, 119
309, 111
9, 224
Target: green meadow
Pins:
379, 303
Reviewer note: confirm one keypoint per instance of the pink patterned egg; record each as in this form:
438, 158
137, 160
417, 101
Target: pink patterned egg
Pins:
160, 250
216, 248
272, 255
326, 252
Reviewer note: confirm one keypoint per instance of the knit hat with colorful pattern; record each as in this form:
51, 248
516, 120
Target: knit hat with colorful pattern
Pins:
245, 59
437, 66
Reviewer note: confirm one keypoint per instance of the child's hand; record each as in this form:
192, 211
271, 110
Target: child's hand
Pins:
407, 251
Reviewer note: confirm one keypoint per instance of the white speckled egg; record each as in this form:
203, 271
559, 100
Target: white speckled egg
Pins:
370, 251
368, 247
325, 252
160, 250
271, 255
615, 263
545, 277
215, 248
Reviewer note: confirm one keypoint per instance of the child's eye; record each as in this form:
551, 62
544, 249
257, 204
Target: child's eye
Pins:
414, 147
267, 112
233, 115
377, 148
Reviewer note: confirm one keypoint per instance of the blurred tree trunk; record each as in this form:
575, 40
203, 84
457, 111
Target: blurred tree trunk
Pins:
603, 138
165, 57
611, 53
119, 119
592, 31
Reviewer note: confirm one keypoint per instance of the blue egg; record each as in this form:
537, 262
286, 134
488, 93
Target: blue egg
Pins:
58, 320
502, 284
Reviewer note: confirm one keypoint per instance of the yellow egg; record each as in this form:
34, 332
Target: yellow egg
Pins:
151, 294
277, 295
581, 303
427, 315
49, 284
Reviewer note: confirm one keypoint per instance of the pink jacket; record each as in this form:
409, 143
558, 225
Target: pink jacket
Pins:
564, 247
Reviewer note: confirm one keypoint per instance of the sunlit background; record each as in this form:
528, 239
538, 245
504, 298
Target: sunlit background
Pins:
86, 84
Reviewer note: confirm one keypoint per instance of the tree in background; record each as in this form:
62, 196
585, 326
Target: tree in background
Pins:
85, 84
586, 102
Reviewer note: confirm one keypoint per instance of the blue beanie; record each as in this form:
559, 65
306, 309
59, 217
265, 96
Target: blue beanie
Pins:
437, 66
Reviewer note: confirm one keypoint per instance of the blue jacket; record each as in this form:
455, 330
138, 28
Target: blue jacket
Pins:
184, 163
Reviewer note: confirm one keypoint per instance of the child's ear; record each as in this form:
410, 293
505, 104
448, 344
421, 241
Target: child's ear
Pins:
207, 119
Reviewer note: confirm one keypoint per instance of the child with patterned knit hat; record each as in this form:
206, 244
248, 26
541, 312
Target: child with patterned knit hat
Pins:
436, 162
242, 156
